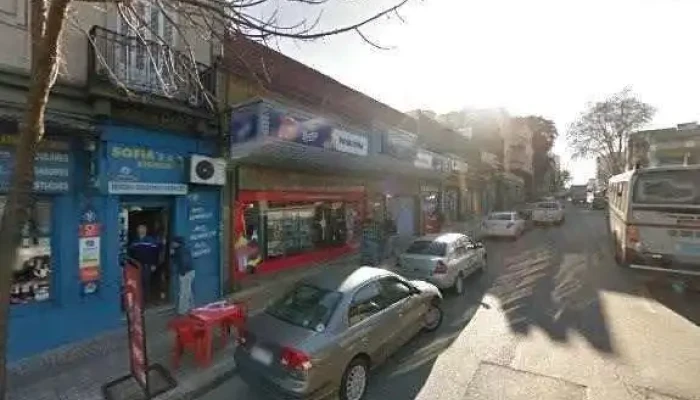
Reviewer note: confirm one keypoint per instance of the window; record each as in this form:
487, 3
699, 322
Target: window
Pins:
393, 290
428, 248
31, 275
366, 303
306, 306
668, 187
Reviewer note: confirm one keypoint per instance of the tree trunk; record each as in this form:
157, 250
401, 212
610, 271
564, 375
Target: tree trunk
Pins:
44, 63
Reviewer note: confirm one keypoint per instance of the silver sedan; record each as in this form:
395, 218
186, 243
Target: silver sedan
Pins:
444, 260
323, 336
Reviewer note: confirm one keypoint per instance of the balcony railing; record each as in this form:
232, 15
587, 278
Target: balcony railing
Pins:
149, 67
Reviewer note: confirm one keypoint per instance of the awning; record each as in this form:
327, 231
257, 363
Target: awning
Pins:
282, 154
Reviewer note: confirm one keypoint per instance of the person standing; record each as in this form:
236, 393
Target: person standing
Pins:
182, 263
146, 250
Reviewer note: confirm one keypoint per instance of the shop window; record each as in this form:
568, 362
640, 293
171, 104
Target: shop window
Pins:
31, 275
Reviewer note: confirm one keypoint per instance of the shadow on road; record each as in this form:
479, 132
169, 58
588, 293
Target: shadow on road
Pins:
411, 366
549, 279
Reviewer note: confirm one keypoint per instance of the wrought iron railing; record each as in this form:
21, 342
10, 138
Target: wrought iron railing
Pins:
150, 67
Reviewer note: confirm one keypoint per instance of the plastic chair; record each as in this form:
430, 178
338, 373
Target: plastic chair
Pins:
189, 334
236, 320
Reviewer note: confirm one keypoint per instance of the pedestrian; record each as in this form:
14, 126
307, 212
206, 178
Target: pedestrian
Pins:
146, 250
181, 258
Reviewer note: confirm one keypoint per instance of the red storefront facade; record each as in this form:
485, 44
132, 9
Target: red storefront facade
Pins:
283, 220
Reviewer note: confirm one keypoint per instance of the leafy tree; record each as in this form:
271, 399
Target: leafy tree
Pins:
603, 129
49, 20
563, 178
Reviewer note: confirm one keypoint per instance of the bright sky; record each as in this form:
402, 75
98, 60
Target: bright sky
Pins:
546, 57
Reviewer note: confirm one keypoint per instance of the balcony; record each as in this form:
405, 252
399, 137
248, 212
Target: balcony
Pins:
149, 68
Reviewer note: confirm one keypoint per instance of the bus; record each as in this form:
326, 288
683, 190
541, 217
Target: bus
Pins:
654, 219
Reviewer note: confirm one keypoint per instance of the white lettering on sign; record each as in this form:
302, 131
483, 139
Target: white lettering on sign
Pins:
39, 171
146, 188
350, 143
147, 158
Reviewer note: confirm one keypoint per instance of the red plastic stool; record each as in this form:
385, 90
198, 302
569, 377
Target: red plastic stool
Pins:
236, 320
189, 334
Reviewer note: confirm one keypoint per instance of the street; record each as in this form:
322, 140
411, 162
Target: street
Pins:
552, 318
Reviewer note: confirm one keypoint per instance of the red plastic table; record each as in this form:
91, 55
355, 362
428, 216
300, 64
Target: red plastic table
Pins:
219, 314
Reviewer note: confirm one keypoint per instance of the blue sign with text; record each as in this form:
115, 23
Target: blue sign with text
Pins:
52, 166
142, 170
204, 223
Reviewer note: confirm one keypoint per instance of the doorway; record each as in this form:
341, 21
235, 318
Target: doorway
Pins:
145, 236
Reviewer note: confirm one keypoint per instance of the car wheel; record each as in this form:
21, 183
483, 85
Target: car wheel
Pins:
458, 285
353, 385
433, 318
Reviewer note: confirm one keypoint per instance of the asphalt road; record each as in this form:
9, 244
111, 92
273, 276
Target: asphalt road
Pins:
552, 318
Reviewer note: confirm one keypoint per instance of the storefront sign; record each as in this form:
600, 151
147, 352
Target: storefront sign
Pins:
89, 253
315, 132
204, 224
52, 165
244, 124
400, 145
440, 163
133, 303
141, 170
424, 159
265, 179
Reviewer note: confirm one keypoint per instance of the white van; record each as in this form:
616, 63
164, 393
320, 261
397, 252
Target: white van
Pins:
654, 218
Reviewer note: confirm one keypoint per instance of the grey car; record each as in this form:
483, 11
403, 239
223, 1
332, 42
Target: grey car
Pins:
324, 335
444, 260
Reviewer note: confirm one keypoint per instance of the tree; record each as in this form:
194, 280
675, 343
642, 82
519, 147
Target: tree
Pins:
544, 133
603, 129
48, 21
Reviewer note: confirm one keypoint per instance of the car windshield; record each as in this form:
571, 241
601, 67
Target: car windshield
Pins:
501, 217
668, 187
547, 206
306, 306
427, 248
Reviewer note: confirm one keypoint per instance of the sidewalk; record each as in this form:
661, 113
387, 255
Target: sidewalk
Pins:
78, 371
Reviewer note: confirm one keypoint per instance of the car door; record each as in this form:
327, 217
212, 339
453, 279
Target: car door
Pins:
478, 253
471, 255
408, 309
371, 328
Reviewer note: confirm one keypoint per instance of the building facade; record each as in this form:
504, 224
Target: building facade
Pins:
121, 134
678, 145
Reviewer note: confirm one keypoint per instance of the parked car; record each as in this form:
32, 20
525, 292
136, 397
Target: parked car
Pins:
445, 260
503, 224
322, 337
550, 212
526, 215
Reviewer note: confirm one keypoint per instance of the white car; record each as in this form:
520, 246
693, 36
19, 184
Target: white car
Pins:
548, 212
503, 224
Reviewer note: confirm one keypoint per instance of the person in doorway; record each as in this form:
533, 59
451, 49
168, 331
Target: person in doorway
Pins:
181, 258
146, 250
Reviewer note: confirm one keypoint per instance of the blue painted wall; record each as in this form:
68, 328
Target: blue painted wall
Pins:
70, 315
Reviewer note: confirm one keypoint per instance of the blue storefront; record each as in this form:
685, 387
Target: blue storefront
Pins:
92, 194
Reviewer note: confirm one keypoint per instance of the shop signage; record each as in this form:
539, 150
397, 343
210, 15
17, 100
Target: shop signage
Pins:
141, 170
428, 188
244, 124
133, 302
424, 159
315, 132
204, 224
400, 145
440, 163
52, 165
89, 252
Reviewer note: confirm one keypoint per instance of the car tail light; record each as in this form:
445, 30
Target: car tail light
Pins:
632, 234
295, 359
440, 268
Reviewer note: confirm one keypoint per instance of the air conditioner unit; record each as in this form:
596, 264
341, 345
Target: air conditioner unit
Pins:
207, 170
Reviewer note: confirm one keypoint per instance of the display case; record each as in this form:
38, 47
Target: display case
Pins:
289, 231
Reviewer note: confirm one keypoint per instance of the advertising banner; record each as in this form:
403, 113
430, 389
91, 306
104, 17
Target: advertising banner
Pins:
204, 224
400, 145
315, 132
244, 124
133, 299
141, 170
52, 166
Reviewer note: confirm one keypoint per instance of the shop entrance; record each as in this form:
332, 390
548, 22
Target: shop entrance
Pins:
145, 236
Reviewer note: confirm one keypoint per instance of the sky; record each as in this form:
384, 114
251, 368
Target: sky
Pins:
541, 57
